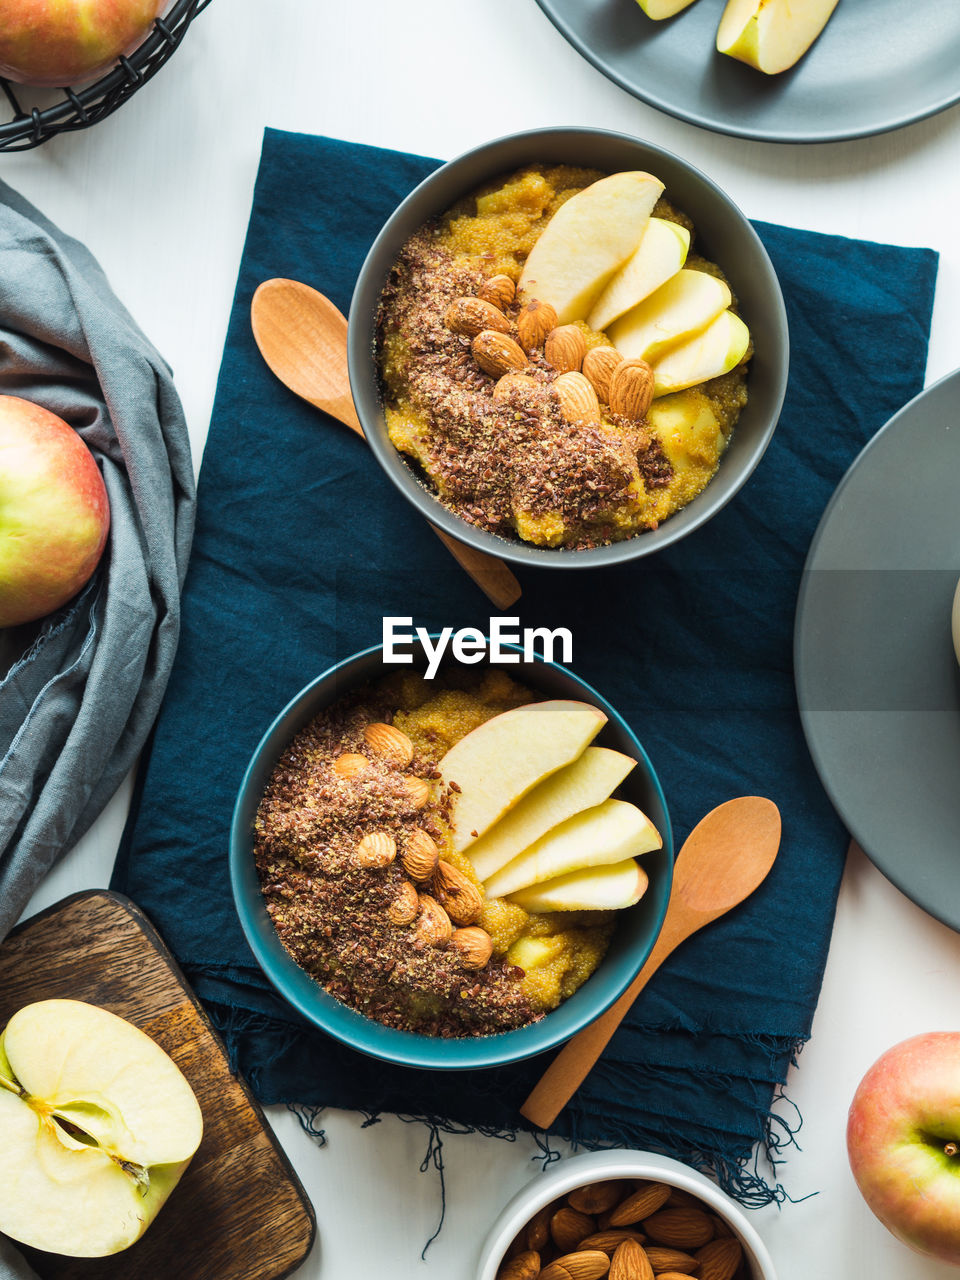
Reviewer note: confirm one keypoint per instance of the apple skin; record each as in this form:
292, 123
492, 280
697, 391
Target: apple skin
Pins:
54, 512
904, 1114
62, 42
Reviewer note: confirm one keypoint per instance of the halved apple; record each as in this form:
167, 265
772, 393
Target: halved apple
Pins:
771, 35
606, 888
609, 832
586, 241
663, 8
675, 312
577, 786
496, 764
715, 351
97, 1125
660, 254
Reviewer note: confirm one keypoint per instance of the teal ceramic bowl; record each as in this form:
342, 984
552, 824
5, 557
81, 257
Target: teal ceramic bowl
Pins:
633, 939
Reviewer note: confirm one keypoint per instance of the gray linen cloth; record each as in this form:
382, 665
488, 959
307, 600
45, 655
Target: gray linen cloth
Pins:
76, 706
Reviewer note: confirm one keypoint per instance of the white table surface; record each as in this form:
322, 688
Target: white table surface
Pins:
161, 193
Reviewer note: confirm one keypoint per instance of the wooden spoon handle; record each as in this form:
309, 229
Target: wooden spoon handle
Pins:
490, 574
576, 1059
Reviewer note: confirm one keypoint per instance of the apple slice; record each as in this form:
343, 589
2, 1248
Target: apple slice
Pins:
586, 241
678, 310
496, 764
535, 953
97, 1125
660, 254
717, 350
658, 9
609, 832
577, 786
771, 35
688, 429
606, 888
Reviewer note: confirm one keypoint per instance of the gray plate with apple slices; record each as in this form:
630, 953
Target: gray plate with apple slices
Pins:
877, 678
877, 66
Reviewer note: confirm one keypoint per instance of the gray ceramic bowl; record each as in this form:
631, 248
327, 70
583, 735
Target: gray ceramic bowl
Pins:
723, 234
633, 939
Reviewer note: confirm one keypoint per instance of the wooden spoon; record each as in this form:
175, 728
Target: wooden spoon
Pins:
724, 858
303, 338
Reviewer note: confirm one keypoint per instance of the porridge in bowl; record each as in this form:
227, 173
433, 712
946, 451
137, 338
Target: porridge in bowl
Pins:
557, 362
447, 857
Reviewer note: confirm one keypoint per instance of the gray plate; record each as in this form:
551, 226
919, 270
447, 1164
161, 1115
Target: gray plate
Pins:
877, 678
871, 70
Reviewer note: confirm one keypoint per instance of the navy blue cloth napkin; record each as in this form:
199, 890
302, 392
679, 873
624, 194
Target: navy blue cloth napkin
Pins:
302, 546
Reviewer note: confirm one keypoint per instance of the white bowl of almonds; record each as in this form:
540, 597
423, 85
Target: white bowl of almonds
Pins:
624, 1215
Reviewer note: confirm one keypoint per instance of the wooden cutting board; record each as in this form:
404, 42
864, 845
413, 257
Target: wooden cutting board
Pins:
239, 1212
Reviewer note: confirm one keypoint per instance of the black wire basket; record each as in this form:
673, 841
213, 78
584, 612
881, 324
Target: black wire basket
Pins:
77, 109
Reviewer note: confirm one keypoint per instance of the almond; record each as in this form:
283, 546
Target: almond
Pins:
680, 1228
578, 400
680, 1199
631, 389
513, 381
671, 1260
720, 1227
629, 1262
568, 1227
389, 743
609, 1240
596, 1197
673, 1275
420, 855
538, 1228
418, 790
598, 365
497, 354
499, 290
405, 906
470, 316
565, 348
350, 765
474, 945
719, 1259
591, 1264
514, 1249
534, 322
376, 849
433, 927
457, 894
646, 1199
525, 1266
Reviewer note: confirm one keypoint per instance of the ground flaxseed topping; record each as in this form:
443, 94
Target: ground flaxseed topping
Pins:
343, 919
497, 462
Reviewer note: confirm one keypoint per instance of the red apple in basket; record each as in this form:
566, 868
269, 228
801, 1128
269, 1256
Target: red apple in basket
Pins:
903, 1139
63, 42
54, 513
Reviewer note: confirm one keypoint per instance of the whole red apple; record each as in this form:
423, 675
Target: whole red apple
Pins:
54, 513
903, 1140
63, 42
